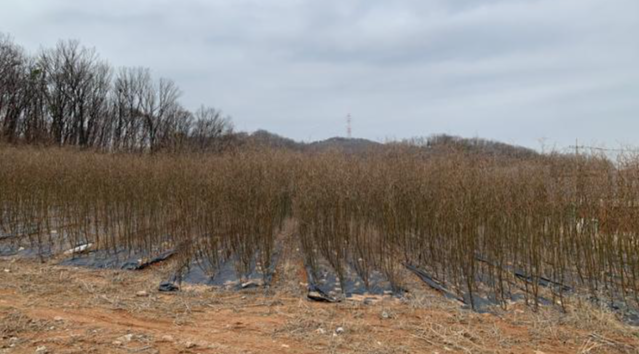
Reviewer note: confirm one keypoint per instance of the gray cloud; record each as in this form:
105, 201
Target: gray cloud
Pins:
516, 70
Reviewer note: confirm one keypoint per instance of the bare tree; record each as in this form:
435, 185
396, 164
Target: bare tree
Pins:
68, 96
210, 128
77, 84
35, 125
145, 111
12, 88
127, 102
160, 109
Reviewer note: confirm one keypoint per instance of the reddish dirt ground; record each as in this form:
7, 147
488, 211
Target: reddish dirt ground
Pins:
46, 308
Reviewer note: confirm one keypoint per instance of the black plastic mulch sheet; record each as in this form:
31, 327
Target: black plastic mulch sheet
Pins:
226, 275
121, 259
325, 284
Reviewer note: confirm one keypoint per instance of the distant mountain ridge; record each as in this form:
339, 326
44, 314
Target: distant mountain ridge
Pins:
350, 145
435, 143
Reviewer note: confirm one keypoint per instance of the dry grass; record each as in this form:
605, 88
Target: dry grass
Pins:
15, 323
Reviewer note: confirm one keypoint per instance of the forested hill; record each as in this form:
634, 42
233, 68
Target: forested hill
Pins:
435, 143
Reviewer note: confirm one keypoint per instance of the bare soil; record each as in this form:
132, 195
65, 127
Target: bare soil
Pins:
46, 308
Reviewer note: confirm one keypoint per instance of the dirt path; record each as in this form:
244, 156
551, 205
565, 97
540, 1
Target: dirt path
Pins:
224, 330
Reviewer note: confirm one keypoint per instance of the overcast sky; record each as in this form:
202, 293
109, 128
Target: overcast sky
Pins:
513, 70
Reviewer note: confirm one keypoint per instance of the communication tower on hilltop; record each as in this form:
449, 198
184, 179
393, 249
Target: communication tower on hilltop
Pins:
349, 130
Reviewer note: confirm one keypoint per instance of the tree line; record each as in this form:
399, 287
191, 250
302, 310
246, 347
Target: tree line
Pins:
69, 96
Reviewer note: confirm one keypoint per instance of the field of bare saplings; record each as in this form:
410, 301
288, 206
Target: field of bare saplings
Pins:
543, 230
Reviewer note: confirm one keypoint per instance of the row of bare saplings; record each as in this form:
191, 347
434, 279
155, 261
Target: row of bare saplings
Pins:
210, 209
477, 226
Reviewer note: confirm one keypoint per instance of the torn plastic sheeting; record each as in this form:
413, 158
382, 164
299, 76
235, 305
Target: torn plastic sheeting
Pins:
26, 250
78, 249
430, 281
545, 282
252, 284
168, 287
141, 264
103, 259
316, 294
24, 247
